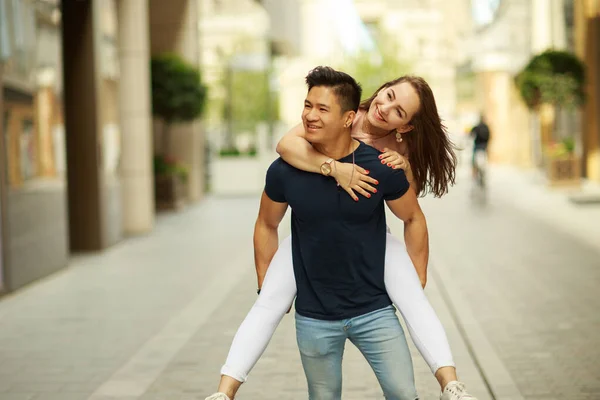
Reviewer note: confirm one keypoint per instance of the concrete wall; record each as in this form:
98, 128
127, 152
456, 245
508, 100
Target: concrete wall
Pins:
36, 233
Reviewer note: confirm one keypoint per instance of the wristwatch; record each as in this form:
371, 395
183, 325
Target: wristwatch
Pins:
326, 167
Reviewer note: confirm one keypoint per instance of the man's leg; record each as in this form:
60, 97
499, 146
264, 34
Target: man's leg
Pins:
380, 338
321, 345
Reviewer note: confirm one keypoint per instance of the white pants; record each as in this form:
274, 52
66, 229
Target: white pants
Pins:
279, 290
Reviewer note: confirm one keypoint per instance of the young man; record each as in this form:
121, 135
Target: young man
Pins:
338, 247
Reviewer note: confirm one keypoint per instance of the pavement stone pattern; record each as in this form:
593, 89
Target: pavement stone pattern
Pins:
533, 288
278, 374
64, 336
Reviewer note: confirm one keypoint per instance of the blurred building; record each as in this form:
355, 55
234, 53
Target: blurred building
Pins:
76, 138
505, 35
586, 40
499, 44
229, 31
307, 33
427, 34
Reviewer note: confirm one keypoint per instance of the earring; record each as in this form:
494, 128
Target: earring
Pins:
398, 137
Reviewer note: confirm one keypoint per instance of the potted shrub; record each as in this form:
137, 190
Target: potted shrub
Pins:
170, 183
563, 166
554, 81
178, 96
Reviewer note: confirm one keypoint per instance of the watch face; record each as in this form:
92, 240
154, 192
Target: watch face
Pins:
326, 169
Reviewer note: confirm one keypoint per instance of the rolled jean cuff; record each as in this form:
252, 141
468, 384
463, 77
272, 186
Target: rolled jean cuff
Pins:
225, 370
435, 367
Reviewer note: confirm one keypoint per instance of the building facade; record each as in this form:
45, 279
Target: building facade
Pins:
234, 39
427, 36
503, 42
586, 38
33, 184
499, 45
77, 134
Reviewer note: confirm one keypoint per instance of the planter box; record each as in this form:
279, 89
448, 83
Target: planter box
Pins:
238, 176
169, 192
564, 171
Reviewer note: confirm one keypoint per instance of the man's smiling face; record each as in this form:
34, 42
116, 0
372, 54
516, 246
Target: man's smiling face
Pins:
322, 115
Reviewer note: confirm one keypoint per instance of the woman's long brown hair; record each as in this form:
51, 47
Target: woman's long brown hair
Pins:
431, 153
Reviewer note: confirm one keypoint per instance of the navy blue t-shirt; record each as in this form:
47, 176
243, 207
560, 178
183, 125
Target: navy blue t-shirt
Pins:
338, 245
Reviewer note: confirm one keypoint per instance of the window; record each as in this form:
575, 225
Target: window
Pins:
33, 116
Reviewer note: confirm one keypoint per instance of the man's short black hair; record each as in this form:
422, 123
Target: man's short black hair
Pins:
344, 86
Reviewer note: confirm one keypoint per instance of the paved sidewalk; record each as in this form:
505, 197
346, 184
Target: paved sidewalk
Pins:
523, 272
528, 191
153, 317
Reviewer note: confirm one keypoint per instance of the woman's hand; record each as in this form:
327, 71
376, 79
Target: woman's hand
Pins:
394, 160
351, 178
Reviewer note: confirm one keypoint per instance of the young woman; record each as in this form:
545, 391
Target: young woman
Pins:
401, 120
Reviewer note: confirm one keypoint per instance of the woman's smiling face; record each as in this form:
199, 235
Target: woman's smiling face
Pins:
394, 107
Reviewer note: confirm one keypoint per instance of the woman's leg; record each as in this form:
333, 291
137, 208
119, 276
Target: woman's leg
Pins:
276, 297
404, 288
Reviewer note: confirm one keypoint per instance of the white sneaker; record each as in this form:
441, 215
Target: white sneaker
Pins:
456, 391
218, 396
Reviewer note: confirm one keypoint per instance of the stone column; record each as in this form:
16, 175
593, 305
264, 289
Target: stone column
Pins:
3, 190
591, 110
135, 120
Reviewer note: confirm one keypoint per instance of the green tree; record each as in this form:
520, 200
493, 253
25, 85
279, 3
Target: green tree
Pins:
552, 77
373, 68
178, 94
250, 101
249, 98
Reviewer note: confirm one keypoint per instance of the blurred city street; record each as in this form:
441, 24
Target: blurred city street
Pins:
134, 140
153, 317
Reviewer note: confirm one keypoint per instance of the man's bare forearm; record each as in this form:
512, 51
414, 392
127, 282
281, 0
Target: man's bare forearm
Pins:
299, 153
266, 242
416, 238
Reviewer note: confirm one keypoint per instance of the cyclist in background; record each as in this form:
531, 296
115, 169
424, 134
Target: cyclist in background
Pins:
481, 135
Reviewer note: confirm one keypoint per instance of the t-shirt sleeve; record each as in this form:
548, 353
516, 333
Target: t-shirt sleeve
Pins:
395, 185
274, 182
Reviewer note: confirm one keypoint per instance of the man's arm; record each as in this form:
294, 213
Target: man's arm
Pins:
298, 152
416, 236
266, 239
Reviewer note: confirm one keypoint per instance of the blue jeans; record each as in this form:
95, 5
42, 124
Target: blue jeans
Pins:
379, 337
